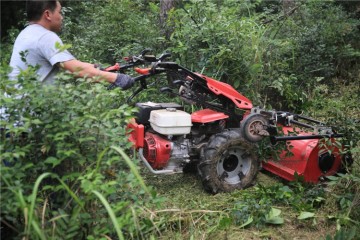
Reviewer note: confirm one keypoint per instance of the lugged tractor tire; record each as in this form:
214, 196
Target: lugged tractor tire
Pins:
230, 162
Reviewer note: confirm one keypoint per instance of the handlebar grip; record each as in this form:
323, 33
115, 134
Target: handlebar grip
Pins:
115, 67
142, 71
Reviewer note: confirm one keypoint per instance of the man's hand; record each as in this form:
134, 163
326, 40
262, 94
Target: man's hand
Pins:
124, 81
82, 69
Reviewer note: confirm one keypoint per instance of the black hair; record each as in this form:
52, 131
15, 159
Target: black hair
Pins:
35, 8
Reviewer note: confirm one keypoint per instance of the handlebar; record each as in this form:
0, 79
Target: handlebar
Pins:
164, 56
158, 66
133, 61
141, 77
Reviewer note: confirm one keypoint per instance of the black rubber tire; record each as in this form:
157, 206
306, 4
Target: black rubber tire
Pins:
249, 127
230, 162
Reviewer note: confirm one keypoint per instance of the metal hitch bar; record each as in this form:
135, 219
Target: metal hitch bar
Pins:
275, 139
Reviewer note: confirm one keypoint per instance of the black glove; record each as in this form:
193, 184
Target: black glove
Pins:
124, 81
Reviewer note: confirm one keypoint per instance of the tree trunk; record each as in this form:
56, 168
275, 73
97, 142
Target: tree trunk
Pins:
165, 7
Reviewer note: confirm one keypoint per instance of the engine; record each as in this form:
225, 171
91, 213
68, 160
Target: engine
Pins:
171, 138
165, 145
162, 153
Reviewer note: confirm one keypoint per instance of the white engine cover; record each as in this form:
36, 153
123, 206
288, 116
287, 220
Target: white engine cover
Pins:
170, 121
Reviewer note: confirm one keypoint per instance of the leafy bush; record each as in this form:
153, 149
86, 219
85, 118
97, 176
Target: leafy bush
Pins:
219, 40
273, 59
63, 172
339, 108
110, 30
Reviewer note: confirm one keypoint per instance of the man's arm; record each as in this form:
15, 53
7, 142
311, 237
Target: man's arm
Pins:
82, 69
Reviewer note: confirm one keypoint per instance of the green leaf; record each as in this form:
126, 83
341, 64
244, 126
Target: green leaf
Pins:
225, 222
305, 215
332, 178
111, 214
52, 160
274, 212
132, 168
255, 68
250, 220
273, 216
62, 48
32, 205
275, 220
36, 121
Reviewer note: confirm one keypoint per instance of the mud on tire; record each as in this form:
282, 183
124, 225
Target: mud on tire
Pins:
230, 162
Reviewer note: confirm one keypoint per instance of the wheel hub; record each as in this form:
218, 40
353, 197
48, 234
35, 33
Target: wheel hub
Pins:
257, 128
233, 165
230, 163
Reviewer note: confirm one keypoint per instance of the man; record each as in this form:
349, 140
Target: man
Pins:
37, 44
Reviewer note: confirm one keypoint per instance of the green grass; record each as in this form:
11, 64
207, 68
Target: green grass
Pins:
191, 213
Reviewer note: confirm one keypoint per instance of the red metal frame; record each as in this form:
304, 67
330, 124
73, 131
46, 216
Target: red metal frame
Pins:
227, 90
136, 133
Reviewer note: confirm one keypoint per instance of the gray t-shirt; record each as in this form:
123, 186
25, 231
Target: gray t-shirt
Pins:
38, 44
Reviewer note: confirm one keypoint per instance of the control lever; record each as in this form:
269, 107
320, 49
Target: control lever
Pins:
145, 51
178, 82
166, 89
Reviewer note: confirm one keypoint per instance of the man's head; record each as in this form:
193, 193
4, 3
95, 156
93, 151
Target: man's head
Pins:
46, 12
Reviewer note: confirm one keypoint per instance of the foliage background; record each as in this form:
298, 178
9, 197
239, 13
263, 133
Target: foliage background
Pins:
300, 56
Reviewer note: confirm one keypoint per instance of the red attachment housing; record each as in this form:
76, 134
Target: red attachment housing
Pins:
221, 88
309, 160
136, 133
207, 115
156, 150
